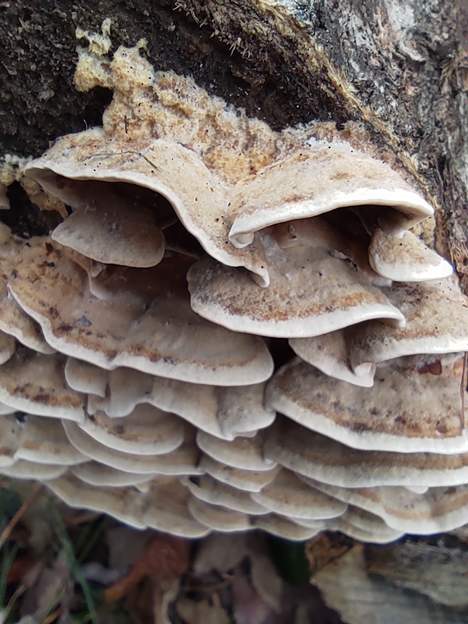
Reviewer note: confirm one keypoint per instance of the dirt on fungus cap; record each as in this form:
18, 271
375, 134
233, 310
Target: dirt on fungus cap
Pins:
323, 459
318, 179
35, 383
243, 453
133, 317
404, 411
35, 439
225, 412
180, 461
13, 320
145, 431
289, 496
311, 292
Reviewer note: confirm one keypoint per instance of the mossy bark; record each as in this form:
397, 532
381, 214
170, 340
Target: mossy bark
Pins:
397, 66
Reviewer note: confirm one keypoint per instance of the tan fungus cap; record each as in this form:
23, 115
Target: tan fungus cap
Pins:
135, 318
311, 293
330, 354
146, 431
313, 455
214, 492
23, 469
181, 461
247, 480
99, 475
436, 323
289, 496
404, 411
218, 518
35, 383
225, 412
243, 453
106, 227
403, 257
437, 510
318, 179
7, 347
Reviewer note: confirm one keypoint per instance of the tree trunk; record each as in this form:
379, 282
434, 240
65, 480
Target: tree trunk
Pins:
395, 66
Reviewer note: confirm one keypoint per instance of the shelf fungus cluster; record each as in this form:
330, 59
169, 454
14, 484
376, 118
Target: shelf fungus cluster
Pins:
231, 328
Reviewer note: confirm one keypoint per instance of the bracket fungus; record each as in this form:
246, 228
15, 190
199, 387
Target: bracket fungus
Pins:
145, 370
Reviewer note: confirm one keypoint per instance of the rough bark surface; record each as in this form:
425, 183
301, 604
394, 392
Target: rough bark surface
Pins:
397, 66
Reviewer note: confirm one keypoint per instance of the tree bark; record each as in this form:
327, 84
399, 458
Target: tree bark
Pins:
397, 66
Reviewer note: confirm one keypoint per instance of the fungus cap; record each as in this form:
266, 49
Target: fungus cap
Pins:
199, 197
247, 480
107, 228
7, 347
225, 412
311, 293
98, 475
404, 411
330, 354
243, 453
145, 431
214, 492
218, 518
181, 461
289, 496
437, 510
284, 528
133, 317
319, 179
24, 469
436, 316
35, 383
403, 257
323, 459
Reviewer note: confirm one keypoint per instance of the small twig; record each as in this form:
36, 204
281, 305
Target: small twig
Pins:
53, 616
208, 589
81, 518
8, 530
123, 153
463, 391
13, 600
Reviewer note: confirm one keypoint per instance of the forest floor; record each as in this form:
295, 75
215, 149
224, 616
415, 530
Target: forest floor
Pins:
59, 565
